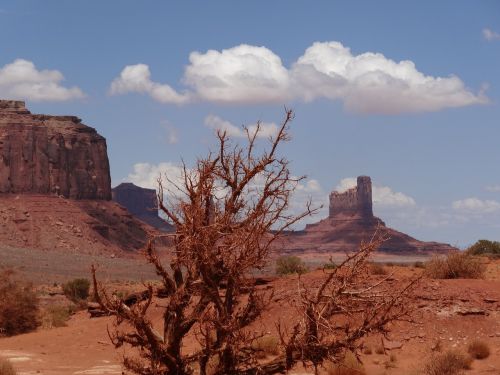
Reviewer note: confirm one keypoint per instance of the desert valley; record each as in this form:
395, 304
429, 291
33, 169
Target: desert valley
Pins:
249, 188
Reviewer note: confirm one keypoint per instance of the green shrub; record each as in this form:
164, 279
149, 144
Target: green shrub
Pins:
451, 362
485, 247
6, 367
18, 307
289, 264
456, 265
56, 316
478, 349
330, 265
77, 290
419, 264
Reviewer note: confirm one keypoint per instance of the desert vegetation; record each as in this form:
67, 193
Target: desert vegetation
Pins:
450, 362
290, 264
456, 265
19, 308
6, 367
485, 248
478, 349
228, 212
76, 290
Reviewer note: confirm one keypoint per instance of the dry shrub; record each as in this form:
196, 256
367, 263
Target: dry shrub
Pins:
478, 349
19, 307
379, 349
367, 350
77, 290
455, 265
290, 264
56, 316
451, 362
377, 269
6, 367
349, 366
266, 345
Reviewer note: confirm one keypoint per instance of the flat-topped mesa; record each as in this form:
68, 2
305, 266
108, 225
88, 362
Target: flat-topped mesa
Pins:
53, 155
353, 203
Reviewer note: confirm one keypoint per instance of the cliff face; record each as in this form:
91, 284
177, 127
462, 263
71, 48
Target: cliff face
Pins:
351, 221
353, 203
43, 154
140, 202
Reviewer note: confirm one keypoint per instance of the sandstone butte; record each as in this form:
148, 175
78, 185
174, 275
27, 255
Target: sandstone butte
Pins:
51, 155
55, 187
351, 221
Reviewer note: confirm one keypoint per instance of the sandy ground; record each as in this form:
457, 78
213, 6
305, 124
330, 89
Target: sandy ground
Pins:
83, 347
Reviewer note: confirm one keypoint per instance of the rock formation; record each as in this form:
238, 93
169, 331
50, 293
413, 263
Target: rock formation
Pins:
55, 187
351, 221
57, 155
140, 202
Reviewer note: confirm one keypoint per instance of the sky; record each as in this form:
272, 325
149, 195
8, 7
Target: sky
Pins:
405, 92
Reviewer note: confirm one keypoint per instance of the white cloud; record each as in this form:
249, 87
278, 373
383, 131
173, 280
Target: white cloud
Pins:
490, 35
476, 205
22, 80
382, 196
245, 74
493, 188
146, 174
266, 130
137, 78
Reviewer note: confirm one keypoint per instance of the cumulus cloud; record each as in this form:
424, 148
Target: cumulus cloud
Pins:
22, 80
245, 74
490, 35
476, 205
137, 78
266, 130
382, 196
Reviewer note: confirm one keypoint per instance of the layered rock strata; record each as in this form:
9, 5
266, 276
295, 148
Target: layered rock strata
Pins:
54, 155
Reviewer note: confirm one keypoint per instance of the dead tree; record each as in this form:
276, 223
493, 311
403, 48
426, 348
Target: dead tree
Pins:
228, 211
348, 305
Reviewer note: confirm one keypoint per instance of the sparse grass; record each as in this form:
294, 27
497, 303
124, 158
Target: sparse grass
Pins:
377, 269
290, 264
349, 366
478, 349
18, 307
77, 290
6, 367
56, 316
455, 265
266, 345
451, 362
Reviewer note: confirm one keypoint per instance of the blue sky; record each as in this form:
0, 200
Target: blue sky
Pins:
404, 92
